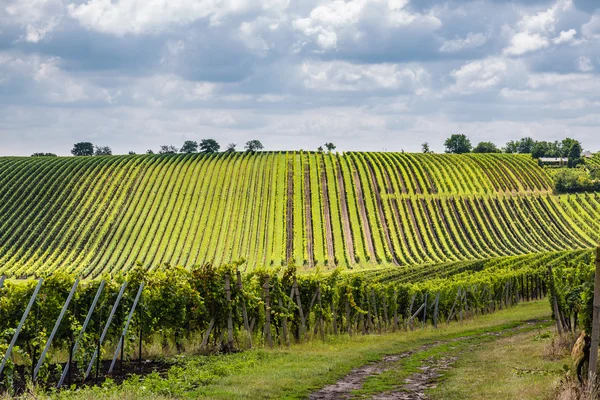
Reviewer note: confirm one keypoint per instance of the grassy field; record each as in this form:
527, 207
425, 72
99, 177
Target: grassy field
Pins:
296, 372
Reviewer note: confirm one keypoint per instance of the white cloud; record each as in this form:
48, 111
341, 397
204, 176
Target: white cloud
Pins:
577, 83
141, 16
43, 76
584, 64
565, 37
534, 31
591, 29
479, 75
343, 76
525, 42
518, 95
329, 23
37, 17
472, 40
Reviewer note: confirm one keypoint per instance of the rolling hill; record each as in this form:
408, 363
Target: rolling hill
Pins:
91, 215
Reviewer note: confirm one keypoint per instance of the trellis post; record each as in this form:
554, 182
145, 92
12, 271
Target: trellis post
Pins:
244, 312
81, 332
21, 323
121, 344
105, 332
55, 329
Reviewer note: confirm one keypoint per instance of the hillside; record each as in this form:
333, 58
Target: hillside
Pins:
100, 214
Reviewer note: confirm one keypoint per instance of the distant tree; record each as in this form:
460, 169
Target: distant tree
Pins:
486, 147
546, 149
525, 146
43, 155
167, 149
103, 151
320, 149
209, 146
131, 153
190, 146
149, 151
574, 153
458, 144
425, 148
230, 148
511, 147
330, 147
253, 145
83, 149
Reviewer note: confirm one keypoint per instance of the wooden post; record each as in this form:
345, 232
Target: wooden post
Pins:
375, 313
300, 311
557, 318
284, 324
451, 315
211, 325
229, 316
435, 311
321, 327
334, 319
412, 302
370, 326
244, 312
395, 311
348, 322
595, 321
268, 336
385, 313
425, 311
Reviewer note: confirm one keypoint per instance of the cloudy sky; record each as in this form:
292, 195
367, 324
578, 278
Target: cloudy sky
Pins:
364, 74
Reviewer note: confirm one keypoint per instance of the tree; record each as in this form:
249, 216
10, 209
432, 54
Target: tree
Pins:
525, 145
230, 148
253, 145
209, 146
486, 147
190, 146
167, 149
103, 151
330, 147
458, 144
511, 147
425, 148
83, 149
132, 153
546, 149
43, 155
320, 149
149, 151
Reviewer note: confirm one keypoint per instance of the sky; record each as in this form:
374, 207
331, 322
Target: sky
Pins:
364, 74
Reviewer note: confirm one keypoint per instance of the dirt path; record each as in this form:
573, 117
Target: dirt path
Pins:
415, 385
343, 388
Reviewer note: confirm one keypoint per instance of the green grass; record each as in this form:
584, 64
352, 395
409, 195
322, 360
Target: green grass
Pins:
296, 372
510, 368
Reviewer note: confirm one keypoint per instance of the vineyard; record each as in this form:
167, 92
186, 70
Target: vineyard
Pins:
93, 215
116, 318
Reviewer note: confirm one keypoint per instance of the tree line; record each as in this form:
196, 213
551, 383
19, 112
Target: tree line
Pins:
567, 148
205, 146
